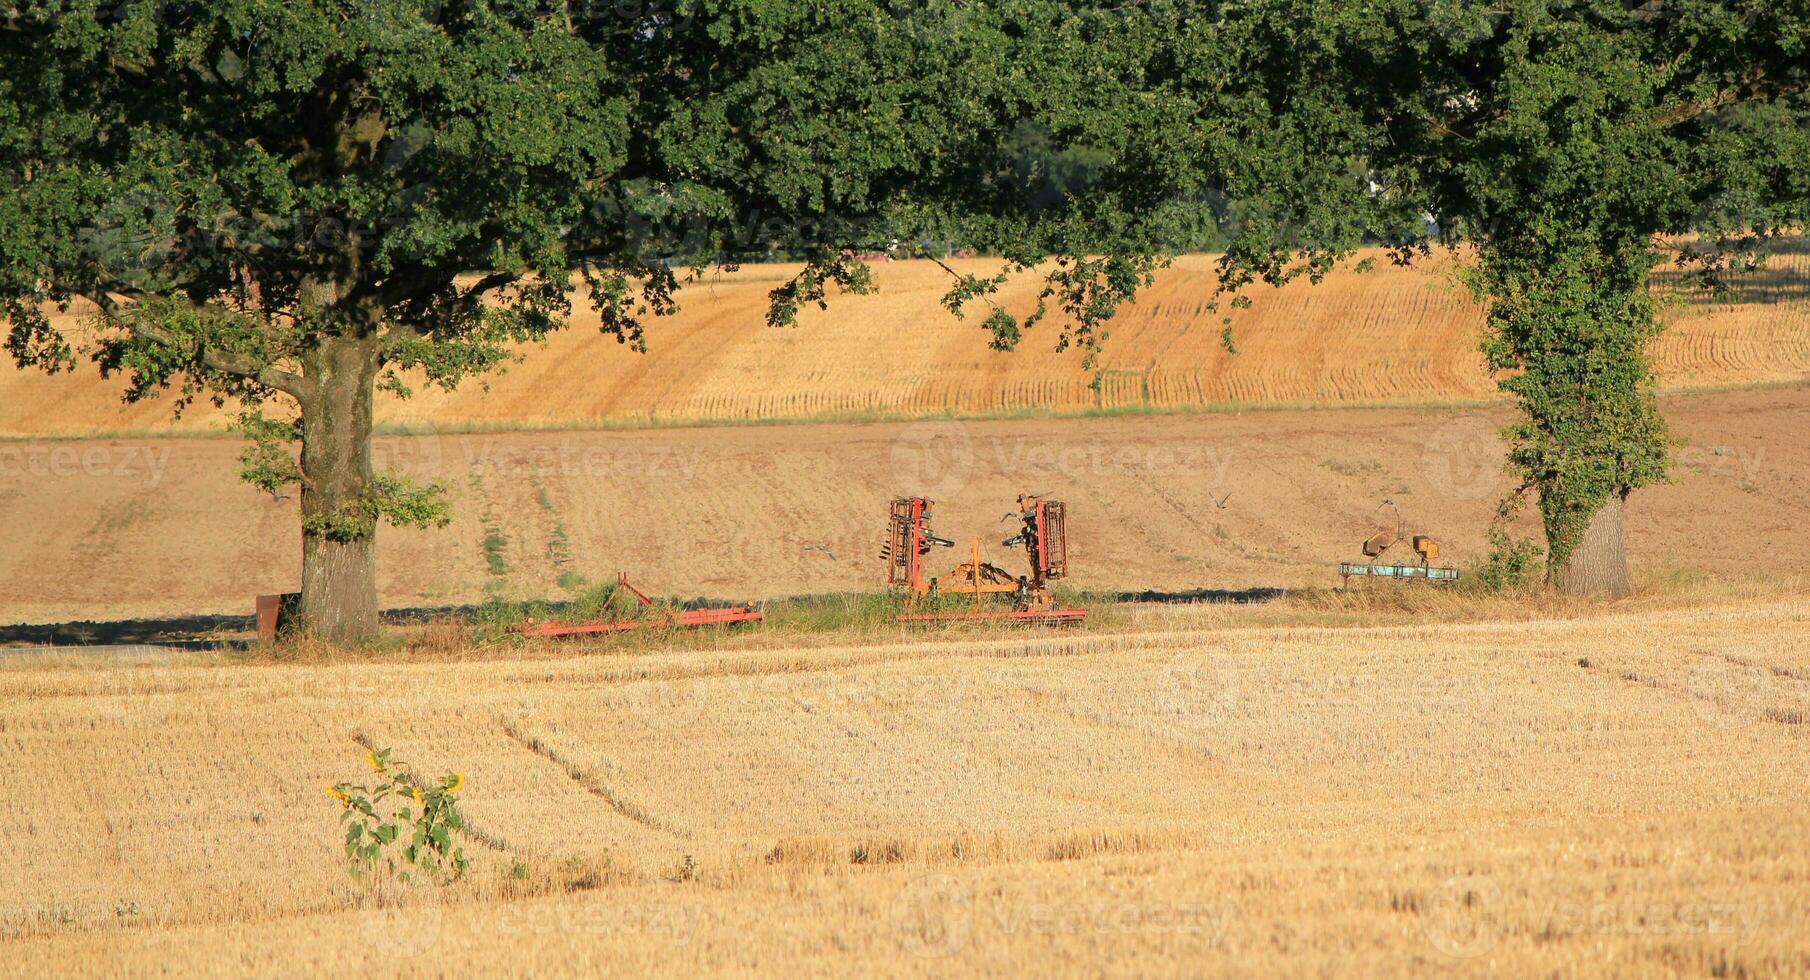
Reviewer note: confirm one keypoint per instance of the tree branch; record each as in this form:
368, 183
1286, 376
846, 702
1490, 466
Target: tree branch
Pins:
416, 281
225, 361
212, 358
1755, 86
496, 280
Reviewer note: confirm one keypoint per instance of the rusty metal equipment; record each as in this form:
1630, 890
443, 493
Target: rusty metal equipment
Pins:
908, 540
977, 578
274, 614
1425, 548
664, 615
1044, 537
1045, 541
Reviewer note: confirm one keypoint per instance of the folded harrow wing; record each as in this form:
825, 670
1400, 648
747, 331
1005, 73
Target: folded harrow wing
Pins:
629, 608
1426, 552
1044, 537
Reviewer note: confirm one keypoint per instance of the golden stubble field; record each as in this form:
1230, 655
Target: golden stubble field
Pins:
1393, 335
1585, 791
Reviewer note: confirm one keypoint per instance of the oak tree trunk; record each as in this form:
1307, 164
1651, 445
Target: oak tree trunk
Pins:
339, 570
1598, 565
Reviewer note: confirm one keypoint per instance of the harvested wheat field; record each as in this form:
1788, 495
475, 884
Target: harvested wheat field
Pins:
148, 528
1391, 335
1579, 790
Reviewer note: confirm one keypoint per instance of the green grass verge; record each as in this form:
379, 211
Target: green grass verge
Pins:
837, 614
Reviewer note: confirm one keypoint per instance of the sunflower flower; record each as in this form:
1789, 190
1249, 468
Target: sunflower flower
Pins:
372, 761
340, 795
455, 782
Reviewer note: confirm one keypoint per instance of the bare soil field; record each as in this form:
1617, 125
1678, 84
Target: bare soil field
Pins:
143, 528
1613, 793
1392, 335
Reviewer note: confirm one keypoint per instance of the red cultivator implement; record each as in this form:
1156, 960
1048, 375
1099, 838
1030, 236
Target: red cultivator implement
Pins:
1044, 537
619, 615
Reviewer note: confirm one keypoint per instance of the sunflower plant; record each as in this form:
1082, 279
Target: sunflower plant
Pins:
401, 822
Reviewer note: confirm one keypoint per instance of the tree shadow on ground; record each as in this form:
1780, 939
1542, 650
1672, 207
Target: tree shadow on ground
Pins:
173, 631
1234, 596
216, 631
187, 632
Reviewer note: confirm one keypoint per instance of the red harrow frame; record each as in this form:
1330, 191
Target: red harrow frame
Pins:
673, 617
1044, 536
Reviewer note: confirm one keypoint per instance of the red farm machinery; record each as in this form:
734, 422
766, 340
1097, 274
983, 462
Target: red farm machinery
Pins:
1043, 536
628, 608
1376, 547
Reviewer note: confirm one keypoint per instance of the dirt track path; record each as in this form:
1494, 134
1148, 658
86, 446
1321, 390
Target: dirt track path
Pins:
111, 529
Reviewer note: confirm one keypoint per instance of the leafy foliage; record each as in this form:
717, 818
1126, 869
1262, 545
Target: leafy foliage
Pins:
302, 200
400, 823
1512, 561
1569, 330
1571, 144
400, 500
268, 463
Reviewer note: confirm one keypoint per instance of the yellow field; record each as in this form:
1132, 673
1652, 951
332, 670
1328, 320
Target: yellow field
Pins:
1400, 336
1586, 791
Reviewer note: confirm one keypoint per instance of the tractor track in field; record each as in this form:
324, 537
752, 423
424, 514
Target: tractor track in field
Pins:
588, 781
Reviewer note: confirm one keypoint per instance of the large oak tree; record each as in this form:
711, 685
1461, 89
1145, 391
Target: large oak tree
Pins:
301, 201
1571, 145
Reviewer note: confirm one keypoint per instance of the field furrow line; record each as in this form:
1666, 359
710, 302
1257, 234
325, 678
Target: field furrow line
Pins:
587, 780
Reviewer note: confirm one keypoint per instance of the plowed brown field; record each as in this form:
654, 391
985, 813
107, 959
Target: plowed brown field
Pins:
1400, 336
109, 528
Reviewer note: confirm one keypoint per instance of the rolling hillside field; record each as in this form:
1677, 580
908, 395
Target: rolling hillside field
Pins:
1443, 611
1392, 335
1282, 780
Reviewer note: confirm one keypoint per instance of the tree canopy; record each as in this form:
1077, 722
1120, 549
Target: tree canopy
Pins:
1573, 145
304, 200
